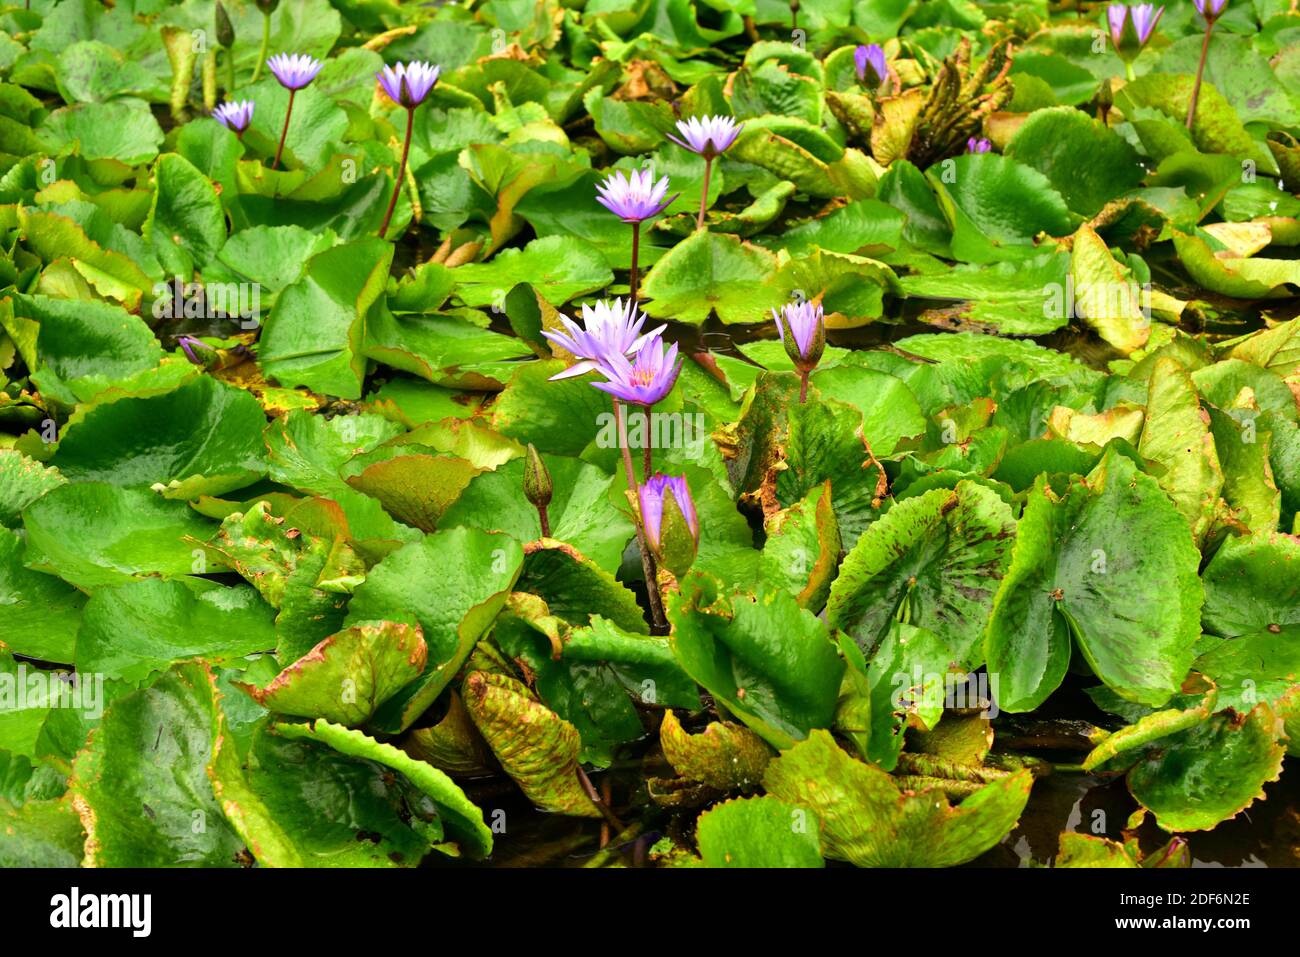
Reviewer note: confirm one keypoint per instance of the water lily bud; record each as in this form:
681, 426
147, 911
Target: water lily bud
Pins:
671, 526
802, 328
267, 6
225, 29
537, 480
1106, 94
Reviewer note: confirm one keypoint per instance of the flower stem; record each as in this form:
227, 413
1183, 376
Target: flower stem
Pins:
647, 454
704, 196
266, 45
636, 250
230, 71
284, 133
1200, 72
803, 386
659, 624
1128, 71
545, 520
401, 172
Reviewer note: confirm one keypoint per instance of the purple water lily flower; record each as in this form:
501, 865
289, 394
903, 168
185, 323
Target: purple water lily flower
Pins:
1142, 16
646, 380
235, 115
871, 55
634, 199
804, 319
407, 84
1145, 16
294, 70
652, 495
1130, 29
1116, 14
607, 327
977, 144
1211, 9
708, 136
805, 326
188, 344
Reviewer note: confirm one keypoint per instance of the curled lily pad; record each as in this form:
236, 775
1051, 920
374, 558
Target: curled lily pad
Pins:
723, 756
453, 744
348, 675
535, 746
306, 577
460, 817
452, 584
803, 547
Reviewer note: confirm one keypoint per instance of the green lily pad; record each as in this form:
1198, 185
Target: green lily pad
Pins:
460, 816
867, 820
204, 438
758, 832
1211, 772
141, 786
935, 561
137, 629
996, 206
93, 534
1106, 565
580, 511
566, 268
22, 481
78, 349
1250, 585
40, 834
314, 335
1087, 162
710, 273
766, 660
575, 588
123, 130
39, 614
